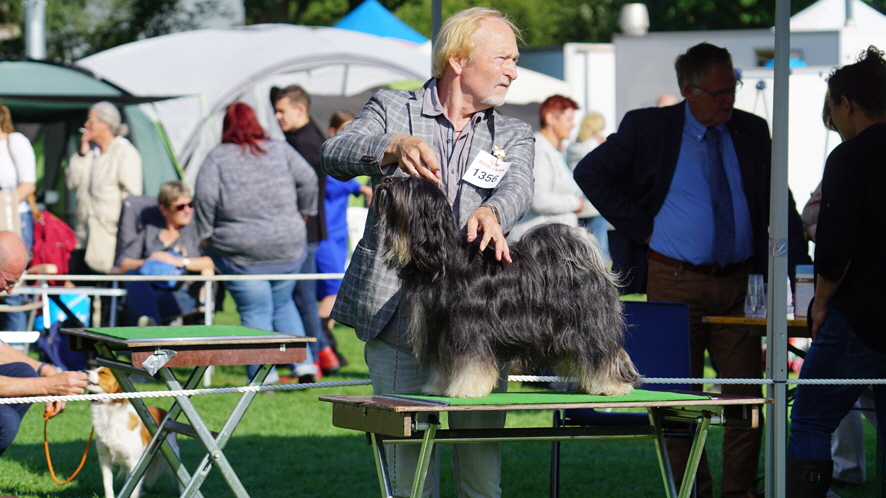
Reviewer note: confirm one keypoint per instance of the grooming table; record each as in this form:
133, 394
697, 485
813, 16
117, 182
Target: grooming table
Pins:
155, 350
413, 419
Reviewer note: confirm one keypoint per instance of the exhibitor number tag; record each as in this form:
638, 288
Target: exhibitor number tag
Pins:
486, 171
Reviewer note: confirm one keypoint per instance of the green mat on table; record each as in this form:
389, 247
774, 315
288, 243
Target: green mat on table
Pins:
187, 332
539, 398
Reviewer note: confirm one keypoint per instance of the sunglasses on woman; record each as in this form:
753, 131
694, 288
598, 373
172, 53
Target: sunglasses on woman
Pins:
181, 207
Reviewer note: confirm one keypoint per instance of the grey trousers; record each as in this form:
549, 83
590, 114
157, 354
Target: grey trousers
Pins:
476, 467
847, 443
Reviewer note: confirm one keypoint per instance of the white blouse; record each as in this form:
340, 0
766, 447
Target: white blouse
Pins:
17, 164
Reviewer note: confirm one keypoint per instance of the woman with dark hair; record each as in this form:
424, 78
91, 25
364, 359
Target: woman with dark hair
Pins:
557, 199
252, 197
848, 342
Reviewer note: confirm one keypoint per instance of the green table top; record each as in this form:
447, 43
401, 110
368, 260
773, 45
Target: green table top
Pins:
187, 335
189, 331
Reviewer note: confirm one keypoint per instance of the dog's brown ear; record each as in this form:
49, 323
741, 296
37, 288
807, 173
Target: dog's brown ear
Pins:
107, 381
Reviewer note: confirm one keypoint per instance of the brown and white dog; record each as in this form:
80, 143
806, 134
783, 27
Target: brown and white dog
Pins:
121, 435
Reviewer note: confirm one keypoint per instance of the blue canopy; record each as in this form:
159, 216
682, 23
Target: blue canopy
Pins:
373, 18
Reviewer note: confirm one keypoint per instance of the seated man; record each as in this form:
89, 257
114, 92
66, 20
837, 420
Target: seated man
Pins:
21, 375
176, 244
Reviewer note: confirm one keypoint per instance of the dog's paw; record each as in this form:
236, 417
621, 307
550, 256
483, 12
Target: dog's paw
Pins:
467, 393
611, 389
431, 390
620, 390
436, 384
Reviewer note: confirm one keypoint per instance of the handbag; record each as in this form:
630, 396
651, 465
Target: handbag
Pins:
10, 219
159, 268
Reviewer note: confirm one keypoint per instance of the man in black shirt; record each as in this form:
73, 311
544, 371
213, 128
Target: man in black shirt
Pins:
847, 337
292, 106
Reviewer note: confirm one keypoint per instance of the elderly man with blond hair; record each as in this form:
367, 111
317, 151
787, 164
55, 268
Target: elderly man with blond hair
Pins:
20, 375
437, 132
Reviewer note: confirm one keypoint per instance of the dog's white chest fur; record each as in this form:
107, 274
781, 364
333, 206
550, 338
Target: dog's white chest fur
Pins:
119, 430
121, 435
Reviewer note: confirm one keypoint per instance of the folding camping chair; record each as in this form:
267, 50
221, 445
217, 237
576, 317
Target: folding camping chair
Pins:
657, 340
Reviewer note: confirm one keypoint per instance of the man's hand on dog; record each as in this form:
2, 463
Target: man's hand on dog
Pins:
483, 220
66, 383
415, 157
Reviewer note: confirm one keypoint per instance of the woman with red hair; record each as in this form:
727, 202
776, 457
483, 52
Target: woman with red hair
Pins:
251, 200
557, 199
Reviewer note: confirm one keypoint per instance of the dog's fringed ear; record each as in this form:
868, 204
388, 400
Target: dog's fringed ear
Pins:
433, 236
417, 222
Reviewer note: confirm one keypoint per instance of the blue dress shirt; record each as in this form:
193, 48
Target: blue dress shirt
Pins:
684, 226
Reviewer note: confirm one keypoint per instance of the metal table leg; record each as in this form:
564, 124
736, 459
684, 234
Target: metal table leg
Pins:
424, 458
214, 447
182, 404
381, 466
664, 463
159, 434
701, 435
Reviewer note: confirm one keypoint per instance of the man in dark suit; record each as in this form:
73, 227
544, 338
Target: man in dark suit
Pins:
688, 185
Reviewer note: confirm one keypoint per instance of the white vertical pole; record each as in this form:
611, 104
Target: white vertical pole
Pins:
35, 29
776, 333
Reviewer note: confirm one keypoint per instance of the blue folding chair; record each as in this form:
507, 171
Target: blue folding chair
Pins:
657, 340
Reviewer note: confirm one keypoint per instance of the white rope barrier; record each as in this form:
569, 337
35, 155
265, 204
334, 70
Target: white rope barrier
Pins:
715, 380
322, 385
183, 392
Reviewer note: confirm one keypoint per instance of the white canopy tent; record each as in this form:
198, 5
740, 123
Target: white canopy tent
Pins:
211, 68
214, 67
831, 15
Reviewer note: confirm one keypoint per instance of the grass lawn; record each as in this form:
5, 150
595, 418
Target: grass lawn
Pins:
286, 446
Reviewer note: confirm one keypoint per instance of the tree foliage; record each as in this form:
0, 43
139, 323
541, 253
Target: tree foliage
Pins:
555, 23
77, 28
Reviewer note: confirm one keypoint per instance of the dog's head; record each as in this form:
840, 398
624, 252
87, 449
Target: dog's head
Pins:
416, 221
101, 381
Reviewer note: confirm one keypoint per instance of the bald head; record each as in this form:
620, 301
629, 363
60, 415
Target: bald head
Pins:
13, 259
666, 100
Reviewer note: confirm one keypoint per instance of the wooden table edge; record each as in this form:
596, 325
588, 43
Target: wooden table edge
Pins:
269, 338
403, 405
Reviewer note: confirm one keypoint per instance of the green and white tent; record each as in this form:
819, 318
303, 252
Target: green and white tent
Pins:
49, 103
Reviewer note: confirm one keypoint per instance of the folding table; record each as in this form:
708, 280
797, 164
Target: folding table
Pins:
413, 419
155, 350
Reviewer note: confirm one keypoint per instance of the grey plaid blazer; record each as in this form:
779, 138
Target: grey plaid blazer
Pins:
370, 291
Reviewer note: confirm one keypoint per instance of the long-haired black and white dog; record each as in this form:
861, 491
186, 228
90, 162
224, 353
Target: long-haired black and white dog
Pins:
555, 306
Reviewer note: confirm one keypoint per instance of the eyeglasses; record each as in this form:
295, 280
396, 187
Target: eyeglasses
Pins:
7, 284
181, 207
721, 93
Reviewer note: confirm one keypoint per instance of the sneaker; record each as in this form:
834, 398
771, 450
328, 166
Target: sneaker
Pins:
272, 378
303, 369
146, 321
328, 362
